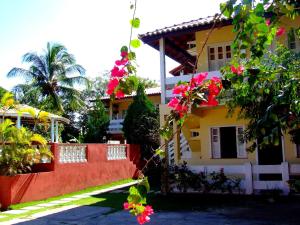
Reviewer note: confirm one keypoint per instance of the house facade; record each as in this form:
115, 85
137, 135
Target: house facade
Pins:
117, 110
210, 140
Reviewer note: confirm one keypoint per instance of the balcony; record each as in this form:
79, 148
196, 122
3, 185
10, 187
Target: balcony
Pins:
115, 126
171, 81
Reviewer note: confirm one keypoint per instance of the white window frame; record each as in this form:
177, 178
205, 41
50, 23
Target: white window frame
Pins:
216, 45
218, 156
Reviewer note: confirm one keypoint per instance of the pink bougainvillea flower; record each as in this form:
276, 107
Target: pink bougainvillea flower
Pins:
214, 86
200, 78
268, 22
237, 70
180, 89
181, 108
116, 72
120, 94
148, 210
124, 54
280, 31
143, 219
173, 103
211, 101
111, 86
126, 205
121, 62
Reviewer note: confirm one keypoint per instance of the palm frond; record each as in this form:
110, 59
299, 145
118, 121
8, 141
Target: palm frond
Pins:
75, 69
20, 72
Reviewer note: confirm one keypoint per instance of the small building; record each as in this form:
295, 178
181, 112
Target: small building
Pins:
117, 111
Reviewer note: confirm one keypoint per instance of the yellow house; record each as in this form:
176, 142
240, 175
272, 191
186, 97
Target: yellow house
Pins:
117, 110
209, 139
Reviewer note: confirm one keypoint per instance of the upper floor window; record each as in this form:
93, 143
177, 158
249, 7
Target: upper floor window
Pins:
227, 142
218, 56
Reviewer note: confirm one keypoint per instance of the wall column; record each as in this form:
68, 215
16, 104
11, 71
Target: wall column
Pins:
285, 177
176, 143
56, 132
110, 110
52, 130
248, 178
19, 122
162, 70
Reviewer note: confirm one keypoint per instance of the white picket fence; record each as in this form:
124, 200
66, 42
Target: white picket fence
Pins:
250, 175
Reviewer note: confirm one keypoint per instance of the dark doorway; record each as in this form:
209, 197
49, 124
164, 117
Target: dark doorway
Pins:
228, 142
270, 155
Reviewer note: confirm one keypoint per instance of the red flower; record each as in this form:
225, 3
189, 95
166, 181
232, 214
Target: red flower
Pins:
180, 89
111, 86
173, 103
211, 101
143, 219
124, 54
280, 31
121, 62
237, 70
126, 205
200, 78
148, 210
120, 94
268, 22
116, 72
181, 108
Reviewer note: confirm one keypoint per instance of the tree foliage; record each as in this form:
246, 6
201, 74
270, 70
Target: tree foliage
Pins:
50, 79
141, 123
267, 95
94, 123
266, 92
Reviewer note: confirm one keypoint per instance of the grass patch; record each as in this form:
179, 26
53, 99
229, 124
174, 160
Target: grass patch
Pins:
86, 201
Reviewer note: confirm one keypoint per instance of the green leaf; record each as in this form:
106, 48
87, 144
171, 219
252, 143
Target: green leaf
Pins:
124, 49
135, 23
131, 55
145, 183
135, 43
262, 27
160, 152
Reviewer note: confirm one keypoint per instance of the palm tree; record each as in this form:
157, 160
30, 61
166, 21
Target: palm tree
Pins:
50, 79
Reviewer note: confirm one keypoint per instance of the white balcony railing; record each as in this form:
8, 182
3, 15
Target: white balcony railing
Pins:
171, 81
115, 126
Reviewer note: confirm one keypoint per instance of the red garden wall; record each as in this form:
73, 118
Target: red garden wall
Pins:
61, 177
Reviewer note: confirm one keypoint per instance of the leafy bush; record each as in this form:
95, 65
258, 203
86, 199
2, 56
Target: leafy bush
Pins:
20, 148
183, 179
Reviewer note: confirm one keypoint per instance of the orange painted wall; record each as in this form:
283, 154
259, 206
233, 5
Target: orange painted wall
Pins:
69, 177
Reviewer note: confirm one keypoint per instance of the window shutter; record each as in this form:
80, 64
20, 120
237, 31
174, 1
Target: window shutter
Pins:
240, 144
215, 143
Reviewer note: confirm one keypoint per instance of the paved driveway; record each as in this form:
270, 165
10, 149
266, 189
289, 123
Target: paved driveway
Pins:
91, 215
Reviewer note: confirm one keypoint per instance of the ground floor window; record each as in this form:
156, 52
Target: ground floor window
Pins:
227, 142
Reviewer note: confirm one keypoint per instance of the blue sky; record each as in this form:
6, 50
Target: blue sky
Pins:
92, 30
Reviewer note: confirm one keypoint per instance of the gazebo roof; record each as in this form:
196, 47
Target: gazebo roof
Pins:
14, 113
